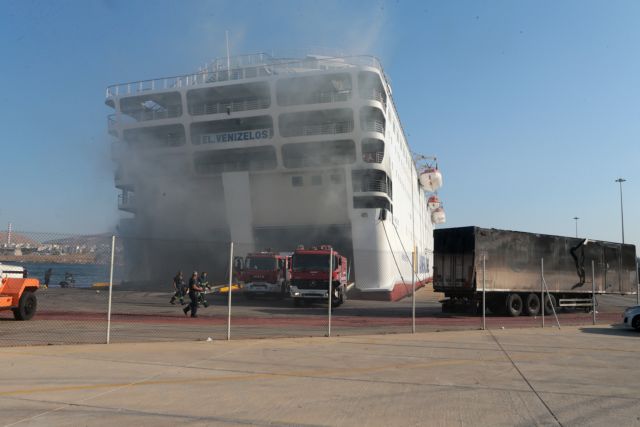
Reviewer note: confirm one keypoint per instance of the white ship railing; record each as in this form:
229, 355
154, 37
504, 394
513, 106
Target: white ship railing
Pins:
373, 156
376, 95
373, 126
126, 201
224, 106
145, 115
217, 75
111, 123
376, 185
319, 129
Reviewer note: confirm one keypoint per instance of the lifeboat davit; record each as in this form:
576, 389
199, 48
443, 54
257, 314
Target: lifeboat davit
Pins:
431, 179
438, 216
433, 202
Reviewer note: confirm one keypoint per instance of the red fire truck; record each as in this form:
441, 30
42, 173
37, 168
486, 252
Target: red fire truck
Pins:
310, 276
265, 273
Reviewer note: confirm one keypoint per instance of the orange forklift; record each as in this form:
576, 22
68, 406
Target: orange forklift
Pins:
18, 293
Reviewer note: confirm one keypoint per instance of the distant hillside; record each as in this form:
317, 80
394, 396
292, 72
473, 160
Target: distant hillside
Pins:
86, 240
16, 239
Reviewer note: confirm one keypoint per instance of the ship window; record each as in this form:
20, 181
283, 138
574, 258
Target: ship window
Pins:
297, 181
249, 129
229, 99
322, 122
372, 180
155, 137
314, 89
370, 87
372, 202
316, 180
309, 154
372, 120
152, 107
372, 150
235, 160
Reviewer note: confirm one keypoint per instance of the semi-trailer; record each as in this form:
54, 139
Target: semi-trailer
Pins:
510, 266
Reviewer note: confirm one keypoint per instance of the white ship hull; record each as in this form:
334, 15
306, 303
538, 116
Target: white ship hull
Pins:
308, 152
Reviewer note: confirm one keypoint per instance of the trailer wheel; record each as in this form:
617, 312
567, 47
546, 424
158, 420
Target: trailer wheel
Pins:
532, 305
549, 304
514, 305
26, 306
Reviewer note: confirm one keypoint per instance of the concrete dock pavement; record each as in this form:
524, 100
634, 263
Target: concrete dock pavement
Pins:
515, 377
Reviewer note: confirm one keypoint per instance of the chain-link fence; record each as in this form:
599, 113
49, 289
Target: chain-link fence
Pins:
73, 271
269, 296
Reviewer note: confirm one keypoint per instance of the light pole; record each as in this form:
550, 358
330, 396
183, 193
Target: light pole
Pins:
620, 181
576, 219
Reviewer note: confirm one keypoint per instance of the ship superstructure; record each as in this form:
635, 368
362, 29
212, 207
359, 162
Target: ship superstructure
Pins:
274, 153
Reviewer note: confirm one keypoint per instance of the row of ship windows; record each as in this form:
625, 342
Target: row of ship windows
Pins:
363, 181
315, 180
309, 123
295, 155
254, 96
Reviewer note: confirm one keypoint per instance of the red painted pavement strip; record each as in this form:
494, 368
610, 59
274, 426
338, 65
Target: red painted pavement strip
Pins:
443, 320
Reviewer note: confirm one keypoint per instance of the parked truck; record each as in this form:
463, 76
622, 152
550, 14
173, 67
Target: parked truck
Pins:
310, 276
510, 265
265, 273
17, 292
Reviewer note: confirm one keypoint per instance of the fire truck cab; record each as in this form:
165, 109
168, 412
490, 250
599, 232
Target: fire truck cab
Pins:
310, 276
265, 273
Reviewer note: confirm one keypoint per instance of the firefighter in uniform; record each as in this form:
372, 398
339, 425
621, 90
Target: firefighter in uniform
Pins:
194, 291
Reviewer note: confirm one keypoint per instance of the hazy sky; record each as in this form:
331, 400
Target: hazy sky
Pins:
533, 107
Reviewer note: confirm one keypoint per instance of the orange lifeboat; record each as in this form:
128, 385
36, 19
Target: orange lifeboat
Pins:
433, 202
431, 179
438, 216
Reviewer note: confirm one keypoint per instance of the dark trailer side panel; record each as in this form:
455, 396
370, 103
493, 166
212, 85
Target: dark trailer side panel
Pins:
513, 262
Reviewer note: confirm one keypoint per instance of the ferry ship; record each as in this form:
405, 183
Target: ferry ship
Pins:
273, 153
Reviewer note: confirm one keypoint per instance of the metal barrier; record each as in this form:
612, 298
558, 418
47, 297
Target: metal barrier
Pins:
264, 67
109, 289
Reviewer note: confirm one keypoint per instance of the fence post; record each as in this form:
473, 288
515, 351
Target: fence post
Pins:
593, 290
484, 320
330, 291
229, 291
542, 301
413, 291
113, 250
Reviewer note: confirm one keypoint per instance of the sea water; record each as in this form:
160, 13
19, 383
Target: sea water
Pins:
85, 275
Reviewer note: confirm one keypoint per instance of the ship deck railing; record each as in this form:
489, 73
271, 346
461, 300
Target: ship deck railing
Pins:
376, 95
208, 75
373, 126
229, 106
373, 156
146, 115
319, 129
